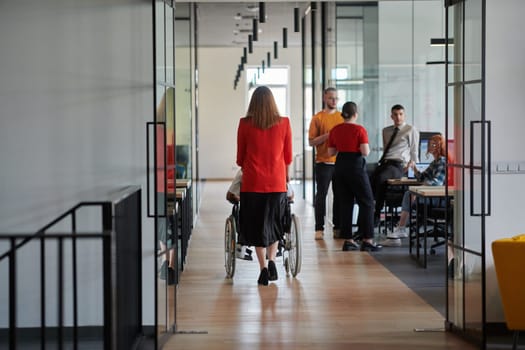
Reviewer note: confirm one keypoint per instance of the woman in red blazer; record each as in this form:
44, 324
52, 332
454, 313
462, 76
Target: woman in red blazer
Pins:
264, 152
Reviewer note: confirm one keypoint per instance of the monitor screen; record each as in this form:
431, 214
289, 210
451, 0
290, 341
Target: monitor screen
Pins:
420, 168
424, 156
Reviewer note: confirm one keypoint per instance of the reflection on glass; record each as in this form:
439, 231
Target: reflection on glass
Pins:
455, 291
357, 63
165, 164
473, 46
183, 94
473, 294
308, 104
160, 65
455, 53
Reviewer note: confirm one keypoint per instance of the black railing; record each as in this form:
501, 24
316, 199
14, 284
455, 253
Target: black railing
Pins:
110, 255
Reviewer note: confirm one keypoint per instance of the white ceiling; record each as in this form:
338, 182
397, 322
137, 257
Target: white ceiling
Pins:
216, 22
229, 24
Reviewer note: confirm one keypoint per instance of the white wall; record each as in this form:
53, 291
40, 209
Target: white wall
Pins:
505, 86
76, 90
220, 106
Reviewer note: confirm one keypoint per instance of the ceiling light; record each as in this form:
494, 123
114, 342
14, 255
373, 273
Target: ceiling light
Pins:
441, 41
262, 12
255, 30
437, 62
296, 19
245, 30
252, 7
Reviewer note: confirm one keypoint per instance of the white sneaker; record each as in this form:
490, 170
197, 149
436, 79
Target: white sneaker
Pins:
243, 252
399, 232
319, 235
391, 242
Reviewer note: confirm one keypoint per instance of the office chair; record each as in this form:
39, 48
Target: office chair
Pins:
393, 200
438, 217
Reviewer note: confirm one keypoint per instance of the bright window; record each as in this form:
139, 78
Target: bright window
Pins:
276, 79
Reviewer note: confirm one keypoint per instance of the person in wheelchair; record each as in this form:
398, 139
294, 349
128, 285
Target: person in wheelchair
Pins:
234, 197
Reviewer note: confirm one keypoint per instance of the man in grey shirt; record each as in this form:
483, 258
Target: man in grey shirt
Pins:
400, 151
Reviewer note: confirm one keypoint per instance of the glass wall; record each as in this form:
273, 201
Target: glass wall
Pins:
355, 74
161, 160
466, 309
308, 102
183, 98
383, 57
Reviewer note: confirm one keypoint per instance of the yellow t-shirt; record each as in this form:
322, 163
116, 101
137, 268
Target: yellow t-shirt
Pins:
321, 124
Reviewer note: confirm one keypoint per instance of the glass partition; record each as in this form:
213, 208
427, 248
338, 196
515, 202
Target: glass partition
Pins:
162, 160
384, 57
308, 103
465, 104
183, 92
355, 74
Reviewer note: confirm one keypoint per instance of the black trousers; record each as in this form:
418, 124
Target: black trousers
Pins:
387, 170
324, 174
353, 183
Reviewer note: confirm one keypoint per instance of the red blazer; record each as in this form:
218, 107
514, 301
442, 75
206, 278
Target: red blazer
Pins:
264, 156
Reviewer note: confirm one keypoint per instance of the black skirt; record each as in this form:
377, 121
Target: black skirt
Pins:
261, 218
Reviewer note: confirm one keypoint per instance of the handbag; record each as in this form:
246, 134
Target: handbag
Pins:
375, 168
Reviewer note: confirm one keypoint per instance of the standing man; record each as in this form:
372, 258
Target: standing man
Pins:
400, 148
320, 127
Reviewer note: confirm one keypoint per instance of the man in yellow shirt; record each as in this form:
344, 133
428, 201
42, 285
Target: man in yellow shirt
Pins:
320, 127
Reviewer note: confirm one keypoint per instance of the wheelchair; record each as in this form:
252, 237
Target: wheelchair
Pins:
290, 242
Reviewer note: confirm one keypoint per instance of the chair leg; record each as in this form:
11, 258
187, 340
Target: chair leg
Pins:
515, 338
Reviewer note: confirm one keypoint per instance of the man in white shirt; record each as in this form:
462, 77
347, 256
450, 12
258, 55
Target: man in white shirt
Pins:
400, 151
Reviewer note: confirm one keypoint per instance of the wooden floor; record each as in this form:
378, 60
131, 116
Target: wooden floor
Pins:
340, 300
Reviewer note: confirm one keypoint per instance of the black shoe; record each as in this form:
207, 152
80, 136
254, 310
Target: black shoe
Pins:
263, 277
350, 245
370, 247
272, 271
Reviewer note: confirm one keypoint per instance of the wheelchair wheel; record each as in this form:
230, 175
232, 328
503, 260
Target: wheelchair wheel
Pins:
292, 263
230, 231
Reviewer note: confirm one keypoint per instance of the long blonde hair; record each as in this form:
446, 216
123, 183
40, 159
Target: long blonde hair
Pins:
263, 110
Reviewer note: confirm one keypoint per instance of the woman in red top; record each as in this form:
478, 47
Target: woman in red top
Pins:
264, 151
350, 142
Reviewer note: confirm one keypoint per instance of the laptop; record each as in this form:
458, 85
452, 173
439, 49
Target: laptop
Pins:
420, 167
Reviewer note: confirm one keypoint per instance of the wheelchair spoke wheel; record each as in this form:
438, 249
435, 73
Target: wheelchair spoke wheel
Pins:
229, 246
294, 246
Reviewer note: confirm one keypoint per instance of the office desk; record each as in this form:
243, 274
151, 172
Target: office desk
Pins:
424, 196
403, 182
182, 229
183, 224
187, 184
